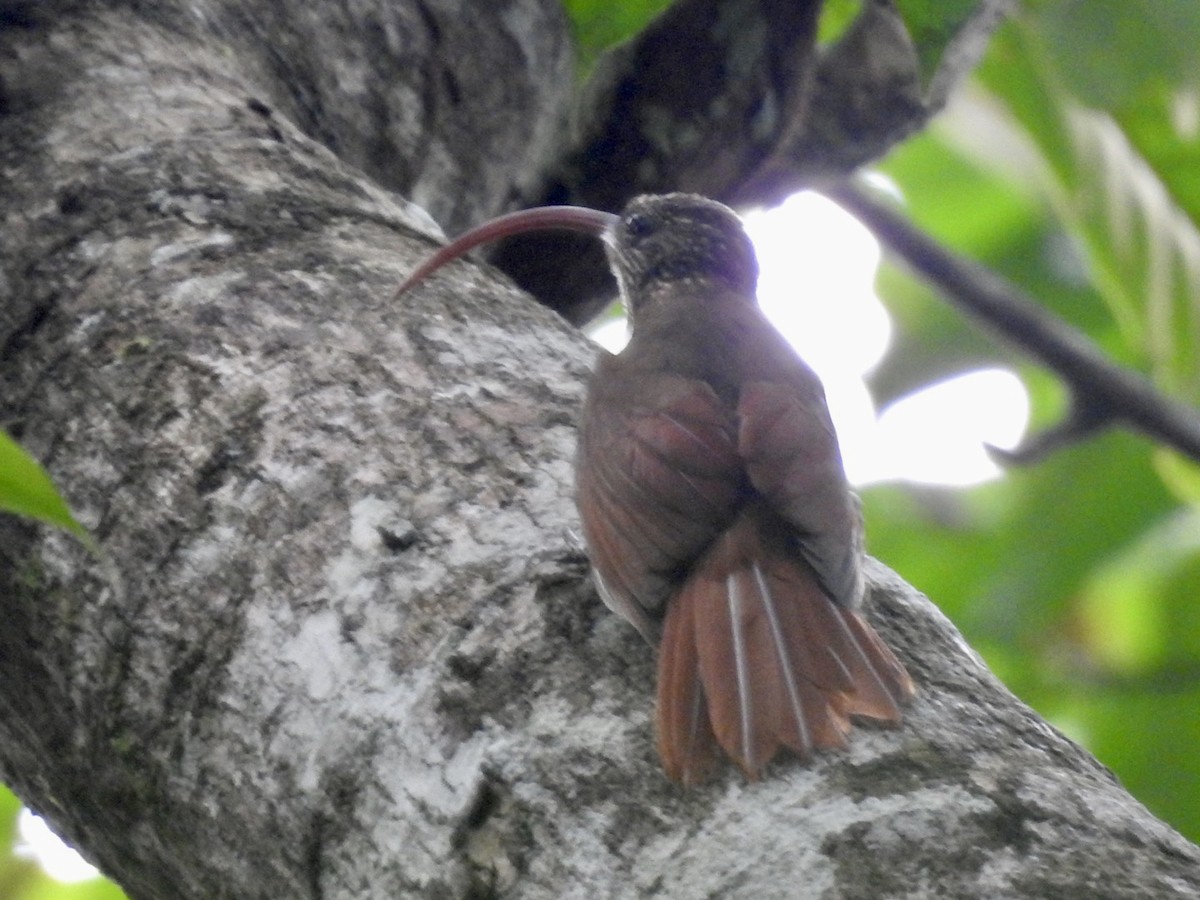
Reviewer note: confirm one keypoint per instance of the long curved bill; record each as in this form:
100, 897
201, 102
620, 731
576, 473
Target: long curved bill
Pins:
540, 218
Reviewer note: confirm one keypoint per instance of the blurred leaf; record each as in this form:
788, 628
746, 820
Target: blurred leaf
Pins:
95, 889
986, 215
1073, 169
599, 25
10, 808
15, 873
1065, 520
1127, 607
1143, 246
1179, 473
1153, 732
932, 24
26, 489
953, 183
1022, 546
836, 17
1164, 125
1100, 47
23, 879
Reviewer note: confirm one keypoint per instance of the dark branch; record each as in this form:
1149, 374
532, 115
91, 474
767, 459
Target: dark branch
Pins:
1102, 392
733, 99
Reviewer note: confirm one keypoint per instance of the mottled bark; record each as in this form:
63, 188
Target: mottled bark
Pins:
341, 643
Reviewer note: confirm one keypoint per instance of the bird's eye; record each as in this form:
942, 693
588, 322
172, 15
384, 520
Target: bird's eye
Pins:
639, 225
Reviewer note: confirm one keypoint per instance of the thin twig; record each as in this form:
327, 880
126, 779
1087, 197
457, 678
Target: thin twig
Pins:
1102, 392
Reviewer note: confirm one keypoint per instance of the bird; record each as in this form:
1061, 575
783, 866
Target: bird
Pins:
714, 504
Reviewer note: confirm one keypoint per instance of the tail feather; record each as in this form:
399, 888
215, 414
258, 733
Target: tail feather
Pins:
755, 658
685, 736
815, 717
726, 629
881, 696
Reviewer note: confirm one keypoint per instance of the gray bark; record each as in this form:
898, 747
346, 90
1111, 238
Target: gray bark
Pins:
341, 642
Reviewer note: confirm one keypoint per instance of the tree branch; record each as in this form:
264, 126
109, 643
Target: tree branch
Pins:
734, 99
1102, 393
357, 654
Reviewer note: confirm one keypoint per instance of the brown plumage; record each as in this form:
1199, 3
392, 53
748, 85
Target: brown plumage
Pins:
715, 508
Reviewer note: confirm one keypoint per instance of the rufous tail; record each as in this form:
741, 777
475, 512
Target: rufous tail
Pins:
756, 658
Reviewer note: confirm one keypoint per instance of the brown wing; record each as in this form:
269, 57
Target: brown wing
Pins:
657, 478
736, 522
792, 458
763, 648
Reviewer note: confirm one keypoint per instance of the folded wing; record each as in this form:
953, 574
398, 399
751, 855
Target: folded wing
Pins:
656, 484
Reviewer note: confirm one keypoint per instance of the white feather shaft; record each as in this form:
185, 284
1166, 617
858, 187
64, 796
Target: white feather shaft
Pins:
736, 604
782, 655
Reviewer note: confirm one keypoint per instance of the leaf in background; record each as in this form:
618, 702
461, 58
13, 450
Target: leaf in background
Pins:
933, 24
994, 215
95, 889
10, 808
1180, 473
1145, 248
1100, 47
1076, 579
931, 340
836, 17
1137, 606
1021, 548
15, 872
599, 24
1152, 730
22, 878
26, 489
1142, 244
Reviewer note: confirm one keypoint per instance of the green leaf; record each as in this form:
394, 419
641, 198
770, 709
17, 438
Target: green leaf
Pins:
1074, 578
1179, 473
1101, 47
26, 489
989, 215
1137, 225
836, 17
932, 24
23, 879
1131, 608
10, 808
1023, 547
95, 889
1151, 731
599, 24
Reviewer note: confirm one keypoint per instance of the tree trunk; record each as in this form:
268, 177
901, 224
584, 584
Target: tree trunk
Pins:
340, 642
